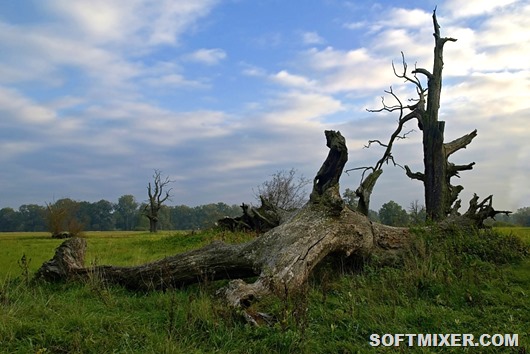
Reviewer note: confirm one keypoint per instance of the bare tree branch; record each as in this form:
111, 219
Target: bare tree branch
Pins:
459, 143
414, 175
452, 169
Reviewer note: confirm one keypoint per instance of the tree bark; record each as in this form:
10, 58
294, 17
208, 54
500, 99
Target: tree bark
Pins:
435, 163
282, 258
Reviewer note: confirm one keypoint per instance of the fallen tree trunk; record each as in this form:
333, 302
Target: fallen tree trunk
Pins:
282, 258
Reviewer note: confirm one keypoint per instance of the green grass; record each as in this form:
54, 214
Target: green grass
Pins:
521, 232
459, 284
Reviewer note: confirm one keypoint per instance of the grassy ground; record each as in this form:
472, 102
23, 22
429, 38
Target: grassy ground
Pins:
463, 284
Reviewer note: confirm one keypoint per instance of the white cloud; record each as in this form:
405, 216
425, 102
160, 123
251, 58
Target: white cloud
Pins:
508, 27
135, 22
301, 109
312, 38
471, 8
17, 108
287, 79
207, 56
174, 80
330, 58
251, 70
356, 25
405, 18
343, 71
477, 94
143, 123
12, 149
47, 53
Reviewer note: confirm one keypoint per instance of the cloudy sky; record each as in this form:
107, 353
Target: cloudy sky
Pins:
221, 94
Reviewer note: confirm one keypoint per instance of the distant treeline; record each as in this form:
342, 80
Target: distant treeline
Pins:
126, 214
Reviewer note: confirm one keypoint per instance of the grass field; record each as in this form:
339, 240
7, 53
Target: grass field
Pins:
469, 284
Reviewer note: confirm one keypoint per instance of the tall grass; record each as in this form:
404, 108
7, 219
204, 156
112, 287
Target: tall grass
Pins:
459, 283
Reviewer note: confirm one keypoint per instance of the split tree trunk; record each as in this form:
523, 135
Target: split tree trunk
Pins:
435, 162
282, 259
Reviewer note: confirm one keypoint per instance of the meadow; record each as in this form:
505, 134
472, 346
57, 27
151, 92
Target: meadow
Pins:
477, 284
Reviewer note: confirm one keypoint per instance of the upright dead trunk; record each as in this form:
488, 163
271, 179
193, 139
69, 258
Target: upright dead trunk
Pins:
437, 194
156, 200
153, 224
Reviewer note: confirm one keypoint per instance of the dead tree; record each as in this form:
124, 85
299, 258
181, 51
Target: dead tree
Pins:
364, 191
259, 219
279, 197
441, 197
282, 259
156, 200
283, 191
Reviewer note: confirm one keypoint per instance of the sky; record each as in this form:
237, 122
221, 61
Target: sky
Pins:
221, 94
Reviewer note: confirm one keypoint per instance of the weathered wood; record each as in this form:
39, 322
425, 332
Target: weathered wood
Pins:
326, 182
364, 192
282, 259
259, 219
69, 257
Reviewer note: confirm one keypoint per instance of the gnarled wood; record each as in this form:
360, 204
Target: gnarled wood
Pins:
326, 182
282, 258
260, 219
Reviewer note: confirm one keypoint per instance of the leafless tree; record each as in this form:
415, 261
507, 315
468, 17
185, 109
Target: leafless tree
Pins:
441, 197
284, 190
157, 196
62, 220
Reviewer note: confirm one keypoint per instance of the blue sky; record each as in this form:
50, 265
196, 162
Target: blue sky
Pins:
219, 95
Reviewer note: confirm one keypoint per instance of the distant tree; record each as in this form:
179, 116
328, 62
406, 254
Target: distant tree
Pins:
183, 217
504, 220
417, 213
32, 217
522, 216
208, 214
350, 198
102, 216
84, 213
373, 215
164, 218
393, 214
284, 190
9, 220
157, 196
126, 212
142, 222
62, 217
